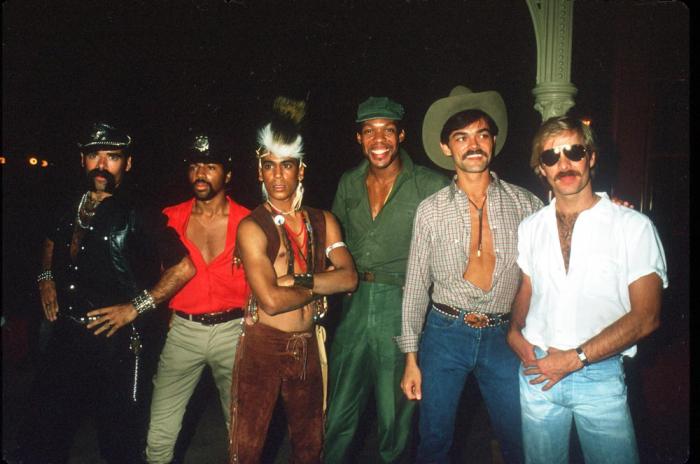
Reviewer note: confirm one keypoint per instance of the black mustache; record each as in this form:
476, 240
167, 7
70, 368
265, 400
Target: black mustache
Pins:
567, 173
200, 181
474, 152
111, 181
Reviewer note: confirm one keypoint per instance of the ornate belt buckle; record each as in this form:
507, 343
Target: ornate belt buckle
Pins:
476, 320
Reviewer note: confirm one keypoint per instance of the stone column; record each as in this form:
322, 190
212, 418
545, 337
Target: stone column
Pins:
553, 22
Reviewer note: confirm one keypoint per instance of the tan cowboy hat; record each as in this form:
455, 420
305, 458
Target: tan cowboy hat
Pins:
461, 99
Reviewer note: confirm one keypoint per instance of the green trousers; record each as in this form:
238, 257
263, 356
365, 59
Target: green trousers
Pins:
363, 359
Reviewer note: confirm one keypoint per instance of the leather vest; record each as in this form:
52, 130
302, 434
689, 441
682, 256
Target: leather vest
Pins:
114, 261
263, 218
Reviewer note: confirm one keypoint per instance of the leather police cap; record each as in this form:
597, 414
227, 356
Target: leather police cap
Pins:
201, 148
103, 135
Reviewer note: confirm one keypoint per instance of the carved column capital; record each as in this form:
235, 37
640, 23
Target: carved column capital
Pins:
553, 24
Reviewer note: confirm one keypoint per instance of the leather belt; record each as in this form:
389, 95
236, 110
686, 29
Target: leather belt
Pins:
474, 319
381, 278
212, 318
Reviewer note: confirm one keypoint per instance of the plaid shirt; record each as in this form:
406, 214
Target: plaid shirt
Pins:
440, 252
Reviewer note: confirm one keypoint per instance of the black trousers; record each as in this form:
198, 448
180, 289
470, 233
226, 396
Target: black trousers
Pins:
80, 374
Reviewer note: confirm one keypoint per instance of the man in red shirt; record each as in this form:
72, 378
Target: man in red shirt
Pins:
206, 321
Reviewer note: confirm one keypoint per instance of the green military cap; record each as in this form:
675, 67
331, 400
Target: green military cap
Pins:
379, 107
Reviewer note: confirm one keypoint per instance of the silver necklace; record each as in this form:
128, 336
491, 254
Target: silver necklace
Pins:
279, 217
86, 210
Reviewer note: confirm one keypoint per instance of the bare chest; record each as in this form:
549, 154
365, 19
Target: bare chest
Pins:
208, 235
565, 227
482, 259
378, 194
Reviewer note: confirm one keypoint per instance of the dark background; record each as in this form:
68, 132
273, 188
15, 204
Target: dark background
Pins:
160, 68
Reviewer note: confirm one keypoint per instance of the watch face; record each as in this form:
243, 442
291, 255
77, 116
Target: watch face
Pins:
582, 356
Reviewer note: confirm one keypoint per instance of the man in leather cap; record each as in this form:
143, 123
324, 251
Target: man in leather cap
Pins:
100, 275
207, 311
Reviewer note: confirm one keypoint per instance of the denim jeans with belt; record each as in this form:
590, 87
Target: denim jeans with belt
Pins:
449, 351
596, 398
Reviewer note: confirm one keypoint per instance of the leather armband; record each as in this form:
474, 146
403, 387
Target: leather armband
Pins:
304, 280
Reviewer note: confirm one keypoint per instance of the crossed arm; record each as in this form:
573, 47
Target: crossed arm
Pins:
279, 295
643, 318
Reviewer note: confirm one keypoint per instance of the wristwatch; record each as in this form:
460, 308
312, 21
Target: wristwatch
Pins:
582, 356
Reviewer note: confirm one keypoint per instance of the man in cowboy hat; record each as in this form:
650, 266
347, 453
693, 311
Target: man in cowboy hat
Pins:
375, 203
464, 246
284, 247
100, 275
207, 311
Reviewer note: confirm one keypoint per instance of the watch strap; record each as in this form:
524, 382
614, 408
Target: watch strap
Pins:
582, 356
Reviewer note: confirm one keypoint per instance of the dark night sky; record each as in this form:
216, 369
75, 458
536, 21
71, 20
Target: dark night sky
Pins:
160, 67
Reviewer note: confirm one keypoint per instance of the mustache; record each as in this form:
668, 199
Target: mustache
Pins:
478, 151
570, 172
202, 181
111, 181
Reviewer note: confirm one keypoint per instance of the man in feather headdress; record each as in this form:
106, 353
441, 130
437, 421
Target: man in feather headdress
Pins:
283, 247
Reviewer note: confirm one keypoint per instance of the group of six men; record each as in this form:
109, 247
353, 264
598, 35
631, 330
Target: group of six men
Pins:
441, 278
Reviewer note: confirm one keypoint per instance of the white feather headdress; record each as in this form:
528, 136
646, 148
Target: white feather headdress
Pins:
281, 138
269, 143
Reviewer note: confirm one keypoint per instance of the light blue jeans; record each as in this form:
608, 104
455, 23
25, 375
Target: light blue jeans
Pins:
596, 398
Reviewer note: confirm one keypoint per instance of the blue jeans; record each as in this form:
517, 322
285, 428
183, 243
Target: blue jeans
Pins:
596, 398
449, 351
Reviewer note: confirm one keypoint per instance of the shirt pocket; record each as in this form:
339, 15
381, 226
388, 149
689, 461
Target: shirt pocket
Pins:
449, 249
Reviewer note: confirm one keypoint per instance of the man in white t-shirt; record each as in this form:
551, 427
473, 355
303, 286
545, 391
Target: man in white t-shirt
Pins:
588, 294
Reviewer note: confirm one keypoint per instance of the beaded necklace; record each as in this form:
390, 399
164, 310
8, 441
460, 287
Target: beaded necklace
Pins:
308, 263
299, 250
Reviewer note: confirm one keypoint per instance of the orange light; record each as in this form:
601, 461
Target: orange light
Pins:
44, 163
586, 121
33, 161
2, 160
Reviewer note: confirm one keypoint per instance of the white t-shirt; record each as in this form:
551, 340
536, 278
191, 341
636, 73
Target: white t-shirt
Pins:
611, 247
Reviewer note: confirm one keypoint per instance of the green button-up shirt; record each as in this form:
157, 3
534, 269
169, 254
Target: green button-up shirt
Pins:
382, 245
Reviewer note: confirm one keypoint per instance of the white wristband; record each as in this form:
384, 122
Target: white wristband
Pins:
333, 247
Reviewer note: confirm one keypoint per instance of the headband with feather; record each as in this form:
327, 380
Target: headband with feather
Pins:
281, 135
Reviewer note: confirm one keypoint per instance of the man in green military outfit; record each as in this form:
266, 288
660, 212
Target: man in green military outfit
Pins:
375, 203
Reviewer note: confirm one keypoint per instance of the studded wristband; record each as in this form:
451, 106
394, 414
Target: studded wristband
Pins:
304, 280
143, 302
44, 275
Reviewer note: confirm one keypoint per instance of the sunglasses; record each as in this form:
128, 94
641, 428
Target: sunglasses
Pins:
573, 152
